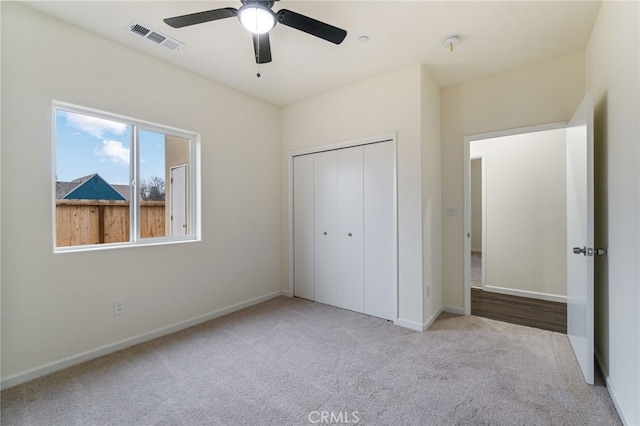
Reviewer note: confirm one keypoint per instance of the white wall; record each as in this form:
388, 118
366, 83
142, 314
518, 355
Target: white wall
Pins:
476, 205
612, 75
381, 105
431, 199
59, 306
526, 213
541, 93
1, 127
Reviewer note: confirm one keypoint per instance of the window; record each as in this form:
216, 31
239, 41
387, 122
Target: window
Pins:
119, 181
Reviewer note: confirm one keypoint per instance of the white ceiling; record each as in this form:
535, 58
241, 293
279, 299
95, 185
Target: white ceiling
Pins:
495, 36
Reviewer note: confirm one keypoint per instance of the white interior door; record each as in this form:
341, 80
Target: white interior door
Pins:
325, 235
179, 200
580, 236
303, 242
350, 228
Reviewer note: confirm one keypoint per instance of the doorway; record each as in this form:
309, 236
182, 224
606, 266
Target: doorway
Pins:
477, 223
515, 257
579, 229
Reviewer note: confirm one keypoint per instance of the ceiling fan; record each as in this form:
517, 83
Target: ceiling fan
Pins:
259, 19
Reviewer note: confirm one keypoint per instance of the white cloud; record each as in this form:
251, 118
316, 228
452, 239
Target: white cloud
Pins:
95, 126
113, 151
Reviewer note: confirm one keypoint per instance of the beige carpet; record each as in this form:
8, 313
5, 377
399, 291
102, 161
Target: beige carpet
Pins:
287, 361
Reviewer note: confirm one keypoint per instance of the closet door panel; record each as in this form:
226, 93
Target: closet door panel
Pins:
380, 260
350, 229
303, 229
325, 200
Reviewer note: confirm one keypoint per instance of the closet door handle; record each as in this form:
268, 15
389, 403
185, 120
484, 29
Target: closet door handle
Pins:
578, 250
325, 233
350, 234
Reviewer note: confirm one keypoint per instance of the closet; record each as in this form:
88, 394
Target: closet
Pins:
344, 226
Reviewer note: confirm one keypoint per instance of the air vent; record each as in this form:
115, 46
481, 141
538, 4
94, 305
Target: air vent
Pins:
154, 36
140, 30
158, 38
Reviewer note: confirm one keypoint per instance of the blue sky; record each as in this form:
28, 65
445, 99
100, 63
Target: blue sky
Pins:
87, 145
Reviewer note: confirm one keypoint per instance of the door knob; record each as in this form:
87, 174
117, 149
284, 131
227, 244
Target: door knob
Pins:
324, 233
578, 250
349, 233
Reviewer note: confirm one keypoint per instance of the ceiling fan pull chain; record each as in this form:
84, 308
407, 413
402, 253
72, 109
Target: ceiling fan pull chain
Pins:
258, 59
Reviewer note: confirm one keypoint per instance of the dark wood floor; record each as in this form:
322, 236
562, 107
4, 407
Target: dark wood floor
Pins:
519, 310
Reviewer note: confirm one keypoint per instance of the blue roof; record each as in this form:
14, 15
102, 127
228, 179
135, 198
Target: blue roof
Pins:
93, 187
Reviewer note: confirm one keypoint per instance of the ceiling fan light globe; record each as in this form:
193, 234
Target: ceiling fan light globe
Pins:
256, 18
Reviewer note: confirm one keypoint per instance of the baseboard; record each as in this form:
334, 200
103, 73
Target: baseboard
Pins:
416, 326
612, 390
600, 364
431, 320
526, 293
453, 310
411, 325
34, 373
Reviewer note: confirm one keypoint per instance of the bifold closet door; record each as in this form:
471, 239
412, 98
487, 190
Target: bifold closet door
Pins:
350, 228
344, 221
325, 181
303, 230
338, 207
380, 260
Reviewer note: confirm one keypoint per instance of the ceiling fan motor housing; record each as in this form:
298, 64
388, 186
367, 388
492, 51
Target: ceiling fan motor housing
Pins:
257, 16
267, 3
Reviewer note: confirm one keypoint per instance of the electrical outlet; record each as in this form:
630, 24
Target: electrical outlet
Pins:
118, 308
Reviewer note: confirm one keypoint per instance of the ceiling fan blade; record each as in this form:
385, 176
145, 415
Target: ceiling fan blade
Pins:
311, 26
201, 17
262, 48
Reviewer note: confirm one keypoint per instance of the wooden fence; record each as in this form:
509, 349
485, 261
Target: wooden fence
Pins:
82, 222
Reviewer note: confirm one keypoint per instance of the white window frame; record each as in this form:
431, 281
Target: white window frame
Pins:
193, 176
